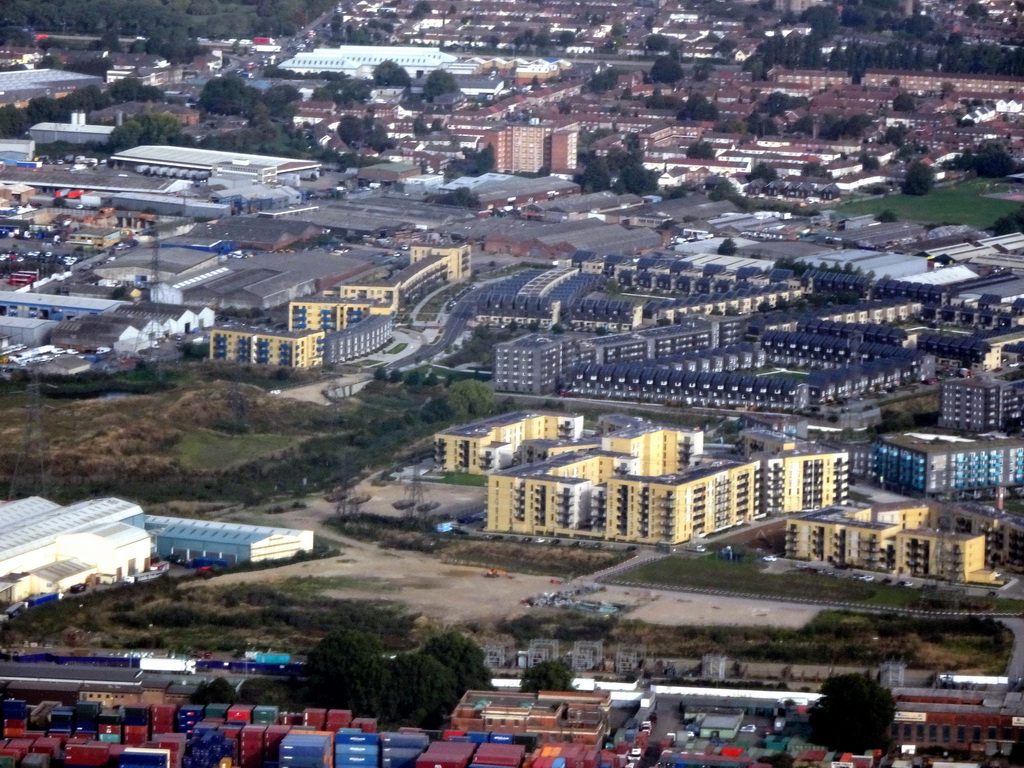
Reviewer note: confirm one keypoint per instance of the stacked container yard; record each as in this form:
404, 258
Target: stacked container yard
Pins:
447, 754
353, 748
109, 724
205, 748
137, 757
62, 720
163, 718
87, 715
136, 725
15, 714
187, 719
251, 749
401, 750
310, 749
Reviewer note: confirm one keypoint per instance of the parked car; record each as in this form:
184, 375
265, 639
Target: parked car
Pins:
76, 589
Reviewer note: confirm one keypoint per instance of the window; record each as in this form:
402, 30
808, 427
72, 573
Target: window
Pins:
976, 734
961, 734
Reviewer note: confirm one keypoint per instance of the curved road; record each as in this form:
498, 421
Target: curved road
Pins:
454, 324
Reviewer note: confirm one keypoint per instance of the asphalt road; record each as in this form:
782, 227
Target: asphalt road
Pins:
454, 324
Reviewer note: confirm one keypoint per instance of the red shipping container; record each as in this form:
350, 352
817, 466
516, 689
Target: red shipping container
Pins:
448, 734
425, 761
97, 753
316, 718
37, 735
272, 738
500, 754
47, 746
109, 728
241, 713
21, 745
135, 735
338, 718
365, 724
14, 728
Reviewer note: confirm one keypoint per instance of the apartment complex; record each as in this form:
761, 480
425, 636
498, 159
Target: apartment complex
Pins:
980, 405
636, 482
528, 147
491, 444
921, 540
942, 465
429, 266
300, 348
344, 323
532, 364
538, 364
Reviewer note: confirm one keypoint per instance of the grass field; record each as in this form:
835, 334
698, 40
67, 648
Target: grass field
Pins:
210, 451
460, 478
960, 204
398, 348
748, 576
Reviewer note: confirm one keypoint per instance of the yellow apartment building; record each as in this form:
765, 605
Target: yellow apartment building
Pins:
803, 478
262, 346
661, 450
491, 444
330, 313
908, 539
676, 508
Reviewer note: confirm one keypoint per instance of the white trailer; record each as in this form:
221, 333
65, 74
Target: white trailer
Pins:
149, 664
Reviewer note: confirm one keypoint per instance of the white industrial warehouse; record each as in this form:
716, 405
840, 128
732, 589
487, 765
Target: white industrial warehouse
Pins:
360, 60
46, 547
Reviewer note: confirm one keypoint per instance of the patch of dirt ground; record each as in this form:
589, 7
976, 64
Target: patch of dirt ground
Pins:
454, 593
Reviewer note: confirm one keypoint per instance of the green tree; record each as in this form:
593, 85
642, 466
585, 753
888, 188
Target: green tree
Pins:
351, 130
634, 179
463, 657
216, 691
657, 43
727, 247
993, 161
887, 216
666, 70
701, 150
764, 172
596, 176
391, 75
904, 102
485, 161
471, 398
346, 669
439, 82
147, 128
551, 675
919, 180
132, 89
854, 714
226, 96
426, 692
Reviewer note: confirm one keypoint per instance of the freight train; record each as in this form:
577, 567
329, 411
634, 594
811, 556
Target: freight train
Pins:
289, 669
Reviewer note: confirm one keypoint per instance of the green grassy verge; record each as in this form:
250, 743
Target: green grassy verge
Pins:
960, 204
460, 478
208, 450
748, 576
397, 348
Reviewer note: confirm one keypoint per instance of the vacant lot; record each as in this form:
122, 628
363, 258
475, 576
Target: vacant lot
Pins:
960, 204
748, 576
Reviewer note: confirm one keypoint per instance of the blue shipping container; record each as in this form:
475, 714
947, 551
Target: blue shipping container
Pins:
501, 738
358, 737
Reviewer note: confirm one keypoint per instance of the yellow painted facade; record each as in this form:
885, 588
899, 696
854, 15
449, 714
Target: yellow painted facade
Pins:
661, 450
804, 479
330, 313
490, 444
902, 539
288, 349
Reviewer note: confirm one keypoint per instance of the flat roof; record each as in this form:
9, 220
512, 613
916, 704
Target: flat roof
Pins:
35, 522
208, 159
211, 530
938, 443
50, 300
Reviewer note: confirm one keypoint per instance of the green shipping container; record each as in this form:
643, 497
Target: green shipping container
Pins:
265, 715
7, 762
113, 738
217, 711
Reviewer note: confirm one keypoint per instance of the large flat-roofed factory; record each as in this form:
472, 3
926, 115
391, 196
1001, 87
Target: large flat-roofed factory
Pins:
47, 548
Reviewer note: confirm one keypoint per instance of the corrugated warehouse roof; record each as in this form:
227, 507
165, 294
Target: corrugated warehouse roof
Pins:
212, 531
35, 522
